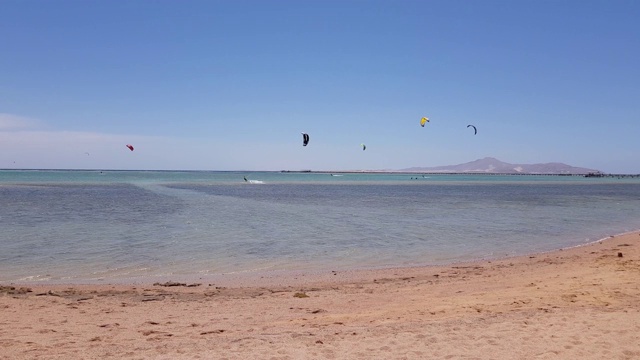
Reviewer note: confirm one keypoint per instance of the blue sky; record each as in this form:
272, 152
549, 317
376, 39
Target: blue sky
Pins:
230, 85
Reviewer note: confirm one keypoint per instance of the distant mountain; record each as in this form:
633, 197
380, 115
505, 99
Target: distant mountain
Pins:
495, 166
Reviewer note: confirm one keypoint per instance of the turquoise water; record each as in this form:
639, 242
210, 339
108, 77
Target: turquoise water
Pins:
76, 226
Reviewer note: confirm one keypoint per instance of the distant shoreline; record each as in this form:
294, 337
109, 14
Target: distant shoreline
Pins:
448, 173
596, 175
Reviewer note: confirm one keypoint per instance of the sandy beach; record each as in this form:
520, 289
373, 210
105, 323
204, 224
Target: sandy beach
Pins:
579, 303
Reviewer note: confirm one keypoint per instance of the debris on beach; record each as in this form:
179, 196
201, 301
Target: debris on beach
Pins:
11, 290
220, 331
173, 283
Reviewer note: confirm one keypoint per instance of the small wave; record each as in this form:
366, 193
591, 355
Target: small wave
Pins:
36, 278
256, 182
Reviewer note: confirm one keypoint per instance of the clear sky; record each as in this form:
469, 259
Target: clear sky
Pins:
230, 85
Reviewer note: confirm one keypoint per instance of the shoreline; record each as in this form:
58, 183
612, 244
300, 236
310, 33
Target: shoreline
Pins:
251, 278
268, 278
579, 302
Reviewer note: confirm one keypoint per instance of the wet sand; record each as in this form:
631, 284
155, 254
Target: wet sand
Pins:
580, 303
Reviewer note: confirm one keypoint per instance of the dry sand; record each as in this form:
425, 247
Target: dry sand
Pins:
580, 303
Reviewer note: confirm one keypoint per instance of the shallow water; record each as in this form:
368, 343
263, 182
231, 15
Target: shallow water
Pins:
88, 225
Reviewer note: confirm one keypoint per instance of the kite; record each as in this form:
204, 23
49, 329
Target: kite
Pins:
423, 121
475, 131
305, 139
364, 147
130, 147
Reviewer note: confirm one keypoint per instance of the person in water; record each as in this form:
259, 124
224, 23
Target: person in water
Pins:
245, 178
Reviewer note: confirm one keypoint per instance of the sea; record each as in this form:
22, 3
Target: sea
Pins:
77, 226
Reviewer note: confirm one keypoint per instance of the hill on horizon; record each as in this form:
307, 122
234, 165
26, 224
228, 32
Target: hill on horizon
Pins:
491, 165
